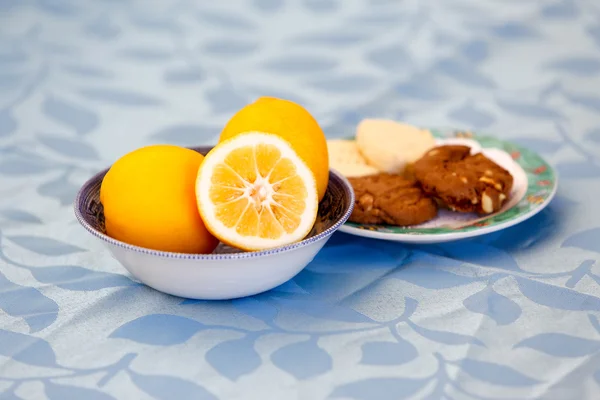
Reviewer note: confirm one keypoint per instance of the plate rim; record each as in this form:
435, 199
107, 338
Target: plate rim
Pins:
430, 238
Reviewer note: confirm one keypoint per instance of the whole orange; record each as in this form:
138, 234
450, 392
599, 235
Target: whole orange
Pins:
291, 122
149, 200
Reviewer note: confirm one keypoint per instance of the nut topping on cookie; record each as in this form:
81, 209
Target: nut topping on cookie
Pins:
366, 201
463, 181
492, 182
390, 199
487, 204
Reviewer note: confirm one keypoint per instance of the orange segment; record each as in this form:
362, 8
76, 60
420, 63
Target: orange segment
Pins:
288, 219
230, 213
295, 205
269, 227
249, 224
224, 175
254, 192
266, 158
243, 162
283, 169
225, 194
292, 186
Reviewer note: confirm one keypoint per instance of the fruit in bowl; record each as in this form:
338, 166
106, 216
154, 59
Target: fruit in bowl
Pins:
291, 122
149, 201
162, 209
254, 192
227, 272
259, 188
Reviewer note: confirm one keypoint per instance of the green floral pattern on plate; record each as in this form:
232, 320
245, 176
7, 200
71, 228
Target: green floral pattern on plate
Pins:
541, 183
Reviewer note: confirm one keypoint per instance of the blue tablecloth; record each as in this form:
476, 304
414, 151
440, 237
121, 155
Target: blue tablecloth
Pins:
512, 315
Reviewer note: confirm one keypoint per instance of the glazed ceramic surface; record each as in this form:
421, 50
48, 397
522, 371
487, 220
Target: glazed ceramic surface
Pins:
227, 273
535, 184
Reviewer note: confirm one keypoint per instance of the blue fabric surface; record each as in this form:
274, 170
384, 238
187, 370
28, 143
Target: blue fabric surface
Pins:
512, 315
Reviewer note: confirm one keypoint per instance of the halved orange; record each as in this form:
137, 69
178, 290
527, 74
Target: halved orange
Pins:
254, 192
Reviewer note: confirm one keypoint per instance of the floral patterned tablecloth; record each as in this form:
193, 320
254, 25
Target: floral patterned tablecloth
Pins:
511, 315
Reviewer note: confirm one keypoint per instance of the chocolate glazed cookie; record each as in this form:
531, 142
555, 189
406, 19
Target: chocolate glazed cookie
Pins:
463, 182
390, 199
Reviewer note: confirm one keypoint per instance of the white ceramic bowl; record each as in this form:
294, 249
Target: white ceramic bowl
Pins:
227, 273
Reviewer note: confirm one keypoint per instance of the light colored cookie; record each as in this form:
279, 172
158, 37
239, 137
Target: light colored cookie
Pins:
345, 158
355, 170
390, 146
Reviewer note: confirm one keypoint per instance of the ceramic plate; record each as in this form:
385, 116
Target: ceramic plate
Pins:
535, 184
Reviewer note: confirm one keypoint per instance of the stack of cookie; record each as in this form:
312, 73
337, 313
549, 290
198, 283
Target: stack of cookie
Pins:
401, 178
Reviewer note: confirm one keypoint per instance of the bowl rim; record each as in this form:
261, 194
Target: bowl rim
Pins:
212, 256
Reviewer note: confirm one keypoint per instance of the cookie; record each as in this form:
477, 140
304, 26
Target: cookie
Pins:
390, 146
463, 182
345, 158
391, 200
